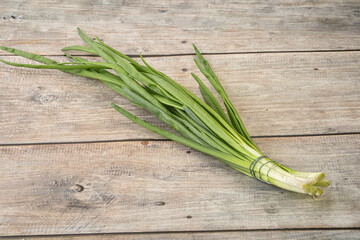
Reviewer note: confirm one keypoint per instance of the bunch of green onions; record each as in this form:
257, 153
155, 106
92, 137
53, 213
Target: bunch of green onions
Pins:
203, 126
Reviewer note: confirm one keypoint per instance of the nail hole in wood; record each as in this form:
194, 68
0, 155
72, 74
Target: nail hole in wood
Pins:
94, 38
160, 203
79, 188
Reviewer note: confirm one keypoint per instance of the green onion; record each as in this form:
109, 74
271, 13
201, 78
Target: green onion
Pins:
203, 126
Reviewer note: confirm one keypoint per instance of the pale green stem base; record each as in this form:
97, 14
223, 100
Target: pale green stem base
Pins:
302, 182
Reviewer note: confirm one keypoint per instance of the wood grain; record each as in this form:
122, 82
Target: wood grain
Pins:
169, 27
275, 94
303, 80
164, 186
256, 235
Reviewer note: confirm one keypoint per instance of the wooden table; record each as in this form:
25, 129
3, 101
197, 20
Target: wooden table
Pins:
73, 168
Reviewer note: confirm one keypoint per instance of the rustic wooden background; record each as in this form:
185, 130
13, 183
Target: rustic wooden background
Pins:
73, 168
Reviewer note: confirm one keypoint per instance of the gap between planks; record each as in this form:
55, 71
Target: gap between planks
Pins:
113, 234
168, 140
205, 53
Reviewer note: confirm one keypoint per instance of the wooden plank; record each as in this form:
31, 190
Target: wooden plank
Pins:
258, 235
163, 27
275, 94
164, 186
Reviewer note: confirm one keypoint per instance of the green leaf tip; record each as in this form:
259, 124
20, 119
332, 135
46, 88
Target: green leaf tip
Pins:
195, 48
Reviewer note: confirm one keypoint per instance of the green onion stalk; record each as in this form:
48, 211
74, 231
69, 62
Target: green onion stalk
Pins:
201, 125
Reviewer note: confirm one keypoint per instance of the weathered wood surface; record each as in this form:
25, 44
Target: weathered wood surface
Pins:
161, 186
276, 94
151, 186
256, 235
168, 27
